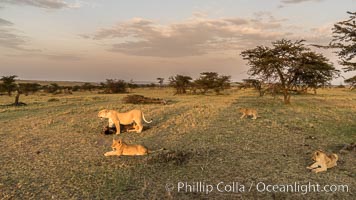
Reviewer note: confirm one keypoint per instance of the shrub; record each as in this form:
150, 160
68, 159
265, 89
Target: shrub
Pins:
114, 86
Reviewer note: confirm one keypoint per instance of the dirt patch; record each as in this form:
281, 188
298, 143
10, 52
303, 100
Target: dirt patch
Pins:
140, 99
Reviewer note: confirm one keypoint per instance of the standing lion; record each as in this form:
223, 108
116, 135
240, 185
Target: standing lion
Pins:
248, 112
116, 118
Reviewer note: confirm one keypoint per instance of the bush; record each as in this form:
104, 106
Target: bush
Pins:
115, 86
52, 100
53, 88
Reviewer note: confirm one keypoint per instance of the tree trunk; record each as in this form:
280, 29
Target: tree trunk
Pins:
17, 97
262, 92
286, 96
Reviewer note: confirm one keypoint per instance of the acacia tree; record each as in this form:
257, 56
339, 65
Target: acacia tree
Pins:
160, 81
212, 80
180, 83
352, 82
257, 84
206, 81
287, 63
222, 83
8, 84
314, 71
344, 39
25, 88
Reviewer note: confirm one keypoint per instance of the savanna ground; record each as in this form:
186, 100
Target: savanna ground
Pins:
53, 149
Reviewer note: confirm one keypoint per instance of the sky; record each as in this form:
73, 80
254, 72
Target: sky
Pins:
141, 40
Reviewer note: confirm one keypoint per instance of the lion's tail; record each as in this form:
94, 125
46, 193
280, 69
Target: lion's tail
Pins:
143, 116
161, 149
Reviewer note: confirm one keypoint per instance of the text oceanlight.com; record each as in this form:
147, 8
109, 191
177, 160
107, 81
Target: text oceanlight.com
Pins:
236, 187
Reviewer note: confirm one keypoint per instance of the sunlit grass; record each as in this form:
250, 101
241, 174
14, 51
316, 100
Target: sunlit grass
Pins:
53, 149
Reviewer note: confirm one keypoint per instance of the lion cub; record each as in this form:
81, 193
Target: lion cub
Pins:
323, 161
248, 112
121, 148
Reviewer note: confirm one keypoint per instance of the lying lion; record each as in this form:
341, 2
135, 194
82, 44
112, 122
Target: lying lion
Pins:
248, 112
121, 148
323, 161
116, 118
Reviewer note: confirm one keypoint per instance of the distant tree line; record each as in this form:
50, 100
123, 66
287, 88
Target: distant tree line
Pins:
8, 86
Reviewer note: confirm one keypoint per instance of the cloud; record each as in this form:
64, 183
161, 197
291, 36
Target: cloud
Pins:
297, 1
4, 22
286, 2
49, 56
63, 57
48, 4
9, 37
197, 35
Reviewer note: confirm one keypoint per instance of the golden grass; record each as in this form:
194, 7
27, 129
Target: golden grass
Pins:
54, 149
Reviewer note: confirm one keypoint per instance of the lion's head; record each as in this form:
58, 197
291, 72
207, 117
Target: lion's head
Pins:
103, 113
116, 144
318, 155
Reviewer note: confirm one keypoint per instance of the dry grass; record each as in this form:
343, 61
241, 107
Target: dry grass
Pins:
53, 149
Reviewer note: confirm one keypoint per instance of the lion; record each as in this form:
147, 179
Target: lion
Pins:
322, 161
248, 112
129, 117
119, 148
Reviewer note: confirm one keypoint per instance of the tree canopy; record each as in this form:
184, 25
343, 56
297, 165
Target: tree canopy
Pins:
289, 63
212, 81
8, 84
115, 86
344, 39
160, 81
180, 83
352, 82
